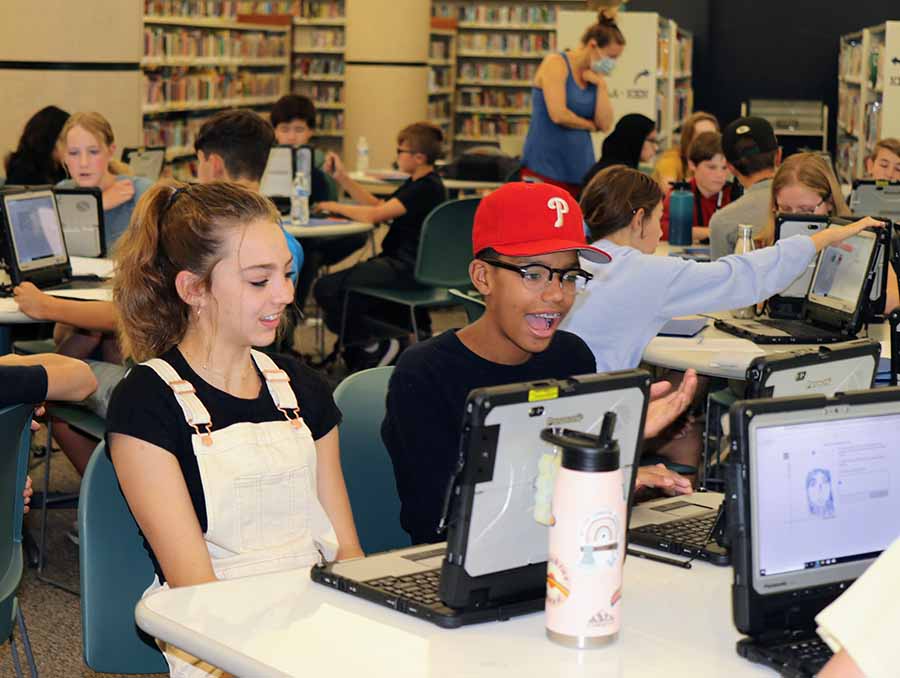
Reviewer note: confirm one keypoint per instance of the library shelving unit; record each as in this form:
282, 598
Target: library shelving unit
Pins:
499, 47
653, 76
442, 78
195, 63
318, 64
868, 95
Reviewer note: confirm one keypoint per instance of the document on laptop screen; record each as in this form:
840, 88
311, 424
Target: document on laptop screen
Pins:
842, 272
827, 492
35, 228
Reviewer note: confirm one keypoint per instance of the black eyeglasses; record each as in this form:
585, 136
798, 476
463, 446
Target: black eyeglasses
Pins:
801, 210
536, 277
401, 151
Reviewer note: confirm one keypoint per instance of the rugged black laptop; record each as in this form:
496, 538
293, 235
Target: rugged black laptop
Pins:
34, 246
147, 162
835, 305
790, 301
494, 564
81, 216
812, 501
688, 526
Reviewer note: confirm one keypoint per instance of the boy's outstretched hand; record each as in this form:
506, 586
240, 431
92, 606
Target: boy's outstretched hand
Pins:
665, 406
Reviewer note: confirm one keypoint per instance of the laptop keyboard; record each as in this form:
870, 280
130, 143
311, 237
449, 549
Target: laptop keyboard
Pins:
692, 532
808, 655
421, 587
797, 328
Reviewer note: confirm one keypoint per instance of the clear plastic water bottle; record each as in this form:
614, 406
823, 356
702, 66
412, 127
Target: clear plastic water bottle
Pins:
743, 246
362, 155
299, 201
587, 539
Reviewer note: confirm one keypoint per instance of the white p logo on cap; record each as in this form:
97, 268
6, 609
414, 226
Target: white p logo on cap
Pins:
561, 207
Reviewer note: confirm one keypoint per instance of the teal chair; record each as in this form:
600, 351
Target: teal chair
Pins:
368, 471
445, 250
15, 438
115, 571
34, 346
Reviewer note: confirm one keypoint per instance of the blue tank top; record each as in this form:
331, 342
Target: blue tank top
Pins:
558, 152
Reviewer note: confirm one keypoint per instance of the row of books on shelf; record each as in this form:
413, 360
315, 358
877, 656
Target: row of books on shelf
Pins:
208, 86
477, 125
846, 153
494, 98
678, 52
175, 42
175, 134
329, 121
484, 70
439, 109
439, 79
229, 9
439, 49
850, 59
854, 64
496, 14
683, 103
320, 92
508, 42
312, 66
848, 109
322, 37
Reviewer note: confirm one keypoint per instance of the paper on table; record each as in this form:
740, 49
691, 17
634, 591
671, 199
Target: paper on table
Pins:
8, 305
102, 268
88, 294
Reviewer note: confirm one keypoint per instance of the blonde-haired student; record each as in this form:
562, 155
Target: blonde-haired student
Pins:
228, 457
884, 163
88, 151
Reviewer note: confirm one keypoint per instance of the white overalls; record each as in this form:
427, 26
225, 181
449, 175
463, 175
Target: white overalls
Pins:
259, 486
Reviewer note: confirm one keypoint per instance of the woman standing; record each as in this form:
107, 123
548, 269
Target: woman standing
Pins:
569, 100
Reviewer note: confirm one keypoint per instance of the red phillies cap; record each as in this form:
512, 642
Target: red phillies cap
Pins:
523, 219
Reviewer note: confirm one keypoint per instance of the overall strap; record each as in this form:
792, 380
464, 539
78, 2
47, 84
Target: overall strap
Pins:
279, 384
195, 413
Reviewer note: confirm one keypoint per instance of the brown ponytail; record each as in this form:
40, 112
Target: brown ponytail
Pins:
174, 227
613, 197
605, 31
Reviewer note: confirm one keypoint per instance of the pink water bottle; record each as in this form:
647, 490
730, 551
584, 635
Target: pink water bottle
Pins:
587, 539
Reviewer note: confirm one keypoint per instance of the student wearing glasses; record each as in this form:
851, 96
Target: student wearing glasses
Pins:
418, 147
805, 184
526, 241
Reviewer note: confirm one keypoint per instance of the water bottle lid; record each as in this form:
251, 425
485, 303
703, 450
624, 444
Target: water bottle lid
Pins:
585, 451
681, 185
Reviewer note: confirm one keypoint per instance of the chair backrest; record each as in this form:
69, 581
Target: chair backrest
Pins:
445, 248
115, 571
368, 471
15, 439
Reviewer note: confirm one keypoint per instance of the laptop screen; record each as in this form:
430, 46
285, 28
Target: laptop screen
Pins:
841, 273
789, 226
824, 495
37, 236
278, 179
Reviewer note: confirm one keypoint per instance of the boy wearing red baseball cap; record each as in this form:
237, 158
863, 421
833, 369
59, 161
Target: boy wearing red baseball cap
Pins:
526, 240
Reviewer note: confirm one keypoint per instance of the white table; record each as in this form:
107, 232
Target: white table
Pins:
377, 186
677, 623
326, 230
719, 354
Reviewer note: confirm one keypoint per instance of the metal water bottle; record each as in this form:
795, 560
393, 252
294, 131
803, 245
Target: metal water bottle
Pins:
681, 214
743, 246
587, 539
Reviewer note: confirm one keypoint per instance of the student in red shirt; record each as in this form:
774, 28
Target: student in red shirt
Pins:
709, 184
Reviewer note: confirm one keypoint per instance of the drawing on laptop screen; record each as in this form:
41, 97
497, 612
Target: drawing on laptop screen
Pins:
35, 228
842, 271
825, 492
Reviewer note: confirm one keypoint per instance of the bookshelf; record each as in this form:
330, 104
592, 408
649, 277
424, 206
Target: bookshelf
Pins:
654, 74
442, 79
199, 57
868, 87
318, 45
499, 48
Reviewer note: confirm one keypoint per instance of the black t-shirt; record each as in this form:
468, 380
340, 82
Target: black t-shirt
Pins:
425, 406
318, 189
143, 406
419, 197
23, 384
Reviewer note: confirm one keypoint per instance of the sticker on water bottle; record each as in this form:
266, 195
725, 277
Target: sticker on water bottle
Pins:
548, 467
558, 586
598, 541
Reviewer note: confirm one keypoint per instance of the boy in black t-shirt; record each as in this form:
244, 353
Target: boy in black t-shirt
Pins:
526, 240
418, 146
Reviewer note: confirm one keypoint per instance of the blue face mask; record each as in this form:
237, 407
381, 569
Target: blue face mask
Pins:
603, 66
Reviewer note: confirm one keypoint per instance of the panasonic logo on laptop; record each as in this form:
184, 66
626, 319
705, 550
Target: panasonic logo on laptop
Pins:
559, 421
775, 586
819, 383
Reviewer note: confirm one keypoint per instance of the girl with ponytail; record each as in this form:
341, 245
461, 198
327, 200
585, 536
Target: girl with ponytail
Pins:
569, 101
206, 424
